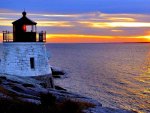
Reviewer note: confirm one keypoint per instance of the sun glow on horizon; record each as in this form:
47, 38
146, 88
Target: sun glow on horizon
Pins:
79, 38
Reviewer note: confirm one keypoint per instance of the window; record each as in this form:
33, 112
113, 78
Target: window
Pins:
32, 65
24, 28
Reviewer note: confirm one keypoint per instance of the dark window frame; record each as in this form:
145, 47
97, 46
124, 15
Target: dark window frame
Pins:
32, 63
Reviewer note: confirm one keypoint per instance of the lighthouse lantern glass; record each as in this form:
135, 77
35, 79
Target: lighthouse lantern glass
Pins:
24, 28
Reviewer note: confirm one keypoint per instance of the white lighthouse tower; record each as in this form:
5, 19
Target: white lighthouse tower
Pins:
24, 53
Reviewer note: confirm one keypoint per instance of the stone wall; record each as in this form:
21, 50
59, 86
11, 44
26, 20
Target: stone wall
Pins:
16, 59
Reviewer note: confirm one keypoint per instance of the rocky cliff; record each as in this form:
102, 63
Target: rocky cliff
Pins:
35, 92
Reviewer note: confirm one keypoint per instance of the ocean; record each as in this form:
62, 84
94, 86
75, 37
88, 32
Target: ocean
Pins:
117, 74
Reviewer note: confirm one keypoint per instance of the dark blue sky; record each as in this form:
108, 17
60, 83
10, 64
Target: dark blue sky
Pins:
78, 6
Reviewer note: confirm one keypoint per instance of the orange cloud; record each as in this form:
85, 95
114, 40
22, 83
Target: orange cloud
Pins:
119, 19
54, 24
114, 24
4, 22
113, 30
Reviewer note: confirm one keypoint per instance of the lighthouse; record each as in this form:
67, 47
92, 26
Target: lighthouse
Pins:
23, 50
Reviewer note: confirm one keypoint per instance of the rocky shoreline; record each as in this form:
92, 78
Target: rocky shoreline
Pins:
30, 89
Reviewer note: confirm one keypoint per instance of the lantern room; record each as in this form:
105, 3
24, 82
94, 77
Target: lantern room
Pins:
24, 30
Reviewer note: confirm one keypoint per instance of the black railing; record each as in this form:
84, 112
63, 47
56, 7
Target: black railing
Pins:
8, 37
41, 36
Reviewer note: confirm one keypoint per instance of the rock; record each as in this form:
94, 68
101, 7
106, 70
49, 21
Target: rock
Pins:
99, 109
57, 71
28, 85
29, 89
3, 78
46, 81
59, 88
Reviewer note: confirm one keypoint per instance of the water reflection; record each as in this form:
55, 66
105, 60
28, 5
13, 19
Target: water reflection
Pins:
118, 75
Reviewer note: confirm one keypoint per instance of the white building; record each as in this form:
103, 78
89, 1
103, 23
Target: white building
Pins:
24, 53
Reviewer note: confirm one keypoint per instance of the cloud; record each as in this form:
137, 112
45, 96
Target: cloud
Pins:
86, 25
54, 24
92, 24
121, 19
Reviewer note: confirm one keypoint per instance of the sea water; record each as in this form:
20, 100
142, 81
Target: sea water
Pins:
117, 75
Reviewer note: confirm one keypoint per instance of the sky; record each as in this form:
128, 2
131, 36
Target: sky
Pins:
82, 21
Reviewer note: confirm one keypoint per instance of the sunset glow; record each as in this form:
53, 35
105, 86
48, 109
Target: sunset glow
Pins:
84, 26
76, 38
